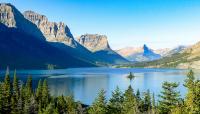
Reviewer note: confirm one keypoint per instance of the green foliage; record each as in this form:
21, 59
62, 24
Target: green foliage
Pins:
169, 97
147, 101
129, 103
6, 94
15, 94
45, 94
115, 102
99, 105
192, 100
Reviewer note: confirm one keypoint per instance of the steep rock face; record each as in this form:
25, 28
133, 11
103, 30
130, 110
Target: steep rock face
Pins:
12, 18
54, 32
99, 45
94, 42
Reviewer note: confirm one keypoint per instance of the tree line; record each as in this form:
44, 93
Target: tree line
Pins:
18, 98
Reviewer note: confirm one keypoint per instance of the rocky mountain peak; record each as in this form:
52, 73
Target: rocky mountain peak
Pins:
146, 49
7, 15
54, 32
94, 42
11, 17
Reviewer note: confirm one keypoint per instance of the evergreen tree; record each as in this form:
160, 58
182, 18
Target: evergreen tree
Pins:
129, 103
15, 96
192, 95
48, 110
153, 104
29, 89
45, 94
115, 102
147, 101
138, 95
80, 109
71, 105
61, 105
6, 94
30, 106
169, 97
99, 105
15, 86
39, 94
1, 98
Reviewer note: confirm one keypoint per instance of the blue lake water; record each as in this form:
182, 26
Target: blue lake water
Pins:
85, 83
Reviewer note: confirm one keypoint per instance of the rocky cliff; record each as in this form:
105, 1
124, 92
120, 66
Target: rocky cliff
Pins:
94, 42
12, 18
53, 32
99, 45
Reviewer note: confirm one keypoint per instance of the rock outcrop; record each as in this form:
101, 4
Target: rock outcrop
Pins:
53, 32
99, 45
12, 18
94, 42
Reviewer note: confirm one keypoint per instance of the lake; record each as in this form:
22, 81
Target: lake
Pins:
85, 83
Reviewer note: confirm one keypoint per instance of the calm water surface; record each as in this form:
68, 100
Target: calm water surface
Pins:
85, 83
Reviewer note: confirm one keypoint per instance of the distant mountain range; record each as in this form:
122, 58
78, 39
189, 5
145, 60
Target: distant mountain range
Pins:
142, 54
29, 40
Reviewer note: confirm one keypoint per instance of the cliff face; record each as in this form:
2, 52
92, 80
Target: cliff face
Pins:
99, 45
94, 42
12, 18
54, 32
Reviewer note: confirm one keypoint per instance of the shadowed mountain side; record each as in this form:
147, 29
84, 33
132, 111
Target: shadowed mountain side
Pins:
23, 51
111, 57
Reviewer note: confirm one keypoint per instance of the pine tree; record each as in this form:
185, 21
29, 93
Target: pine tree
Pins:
7, 94
99, 105
138, 95
61, 105
45, 94
129, 103
169, 97
153, 104
192, 101
1, 98
71, 105
15, 95
147, 101
29, 89
30, 107
115, 102
48, 110
39, 94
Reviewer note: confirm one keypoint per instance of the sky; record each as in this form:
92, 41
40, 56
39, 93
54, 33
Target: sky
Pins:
127, 23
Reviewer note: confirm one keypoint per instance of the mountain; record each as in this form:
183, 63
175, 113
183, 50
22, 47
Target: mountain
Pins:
139, 54
53, 32
60, 36
99, 45
23, 45
185, 59
168, 52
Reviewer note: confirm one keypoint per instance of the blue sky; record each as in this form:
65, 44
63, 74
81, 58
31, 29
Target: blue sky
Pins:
157, 23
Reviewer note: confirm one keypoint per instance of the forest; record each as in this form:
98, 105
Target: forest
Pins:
19, 98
